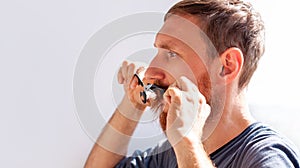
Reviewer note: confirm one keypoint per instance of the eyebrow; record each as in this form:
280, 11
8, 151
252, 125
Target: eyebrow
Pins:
168, 45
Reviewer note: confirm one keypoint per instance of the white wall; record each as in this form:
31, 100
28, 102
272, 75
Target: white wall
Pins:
40, 42
274, 91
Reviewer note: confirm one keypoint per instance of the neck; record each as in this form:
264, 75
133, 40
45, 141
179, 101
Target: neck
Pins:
233, 120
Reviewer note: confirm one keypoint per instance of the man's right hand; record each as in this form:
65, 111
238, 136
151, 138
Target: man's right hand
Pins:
112, 144
132, 100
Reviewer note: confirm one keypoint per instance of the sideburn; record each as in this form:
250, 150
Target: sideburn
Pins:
205, 88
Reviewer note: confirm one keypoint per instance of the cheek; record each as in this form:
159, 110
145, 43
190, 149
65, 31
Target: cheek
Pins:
176, 67
180, 67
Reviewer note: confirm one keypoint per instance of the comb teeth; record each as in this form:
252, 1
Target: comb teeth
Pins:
150, 94
152, 91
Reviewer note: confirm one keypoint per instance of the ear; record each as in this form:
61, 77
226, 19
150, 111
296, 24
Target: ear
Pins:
232, 61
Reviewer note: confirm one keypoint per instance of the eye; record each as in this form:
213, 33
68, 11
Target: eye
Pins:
172, 54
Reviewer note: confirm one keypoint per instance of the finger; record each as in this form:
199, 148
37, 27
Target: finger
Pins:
205, 112
188, 86
130, 71
202, 99
175, 94
140, 70
172, 95
136, 94
166, 108
120, 76
133, 83
167, 97
185, 84
124, 70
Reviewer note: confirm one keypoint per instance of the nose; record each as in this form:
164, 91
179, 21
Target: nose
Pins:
155, 71
154, 74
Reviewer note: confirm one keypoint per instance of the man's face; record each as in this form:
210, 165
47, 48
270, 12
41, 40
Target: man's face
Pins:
181, 52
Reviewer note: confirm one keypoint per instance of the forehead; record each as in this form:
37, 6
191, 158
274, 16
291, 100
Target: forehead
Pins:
179, 30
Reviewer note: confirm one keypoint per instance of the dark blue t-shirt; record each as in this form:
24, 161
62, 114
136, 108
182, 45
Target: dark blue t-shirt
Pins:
258, 146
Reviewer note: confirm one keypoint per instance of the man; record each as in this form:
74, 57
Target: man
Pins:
207, 52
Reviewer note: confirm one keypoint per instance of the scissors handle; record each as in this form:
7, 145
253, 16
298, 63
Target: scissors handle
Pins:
140, 82
143, 93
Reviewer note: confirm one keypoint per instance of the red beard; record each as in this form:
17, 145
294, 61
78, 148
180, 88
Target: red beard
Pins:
163, 120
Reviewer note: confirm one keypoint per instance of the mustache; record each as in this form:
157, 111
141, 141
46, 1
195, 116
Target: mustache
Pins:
157, 101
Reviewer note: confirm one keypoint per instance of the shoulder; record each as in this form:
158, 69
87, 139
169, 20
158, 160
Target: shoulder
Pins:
265, 147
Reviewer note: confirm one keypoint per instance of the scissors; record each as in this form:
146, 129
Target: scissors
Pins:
147, 88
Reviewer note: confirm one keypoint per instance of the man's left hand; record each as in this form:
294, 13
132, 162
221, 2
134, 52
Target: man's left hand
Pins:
187, 111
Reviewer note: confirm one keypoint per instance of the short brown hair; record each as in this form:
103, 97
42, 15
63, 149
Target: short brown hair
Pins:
229, 23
